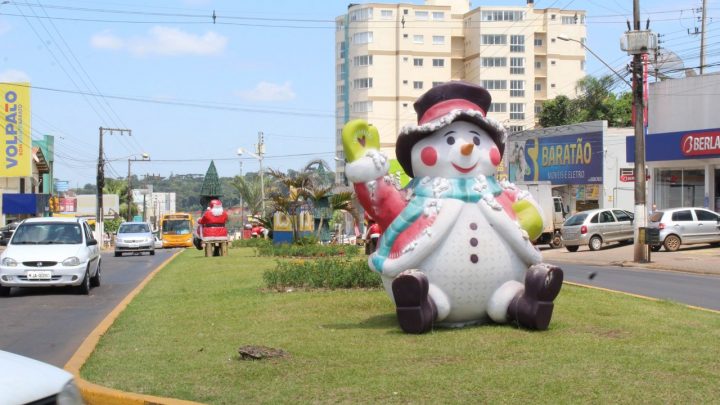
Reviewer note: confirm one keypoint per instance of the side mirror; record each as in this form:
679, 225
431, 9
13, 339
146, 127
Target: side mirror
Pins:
92, 242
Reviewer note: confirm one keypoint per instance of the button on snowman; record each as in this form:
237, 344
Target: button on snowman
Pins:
456, 246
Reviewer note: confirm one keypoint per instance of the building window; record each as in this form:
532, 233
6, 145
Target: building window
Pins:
362, 106
363, 14
363, 83
363, 37
405, 11
418, 39
516, 128
405, 105
552, 62
517, 88
538, 86
421, 15
405, 35
493, 39
538, 64
405, 81
438, 62
363, 60
538, 109
517, 43
552, 17
582, 65
493, 62
498, 107
386, 14
434, 84
552, 85
679, 187
552, 40
517, 111
494, 84
567, 20
438, 39
517, 66
417, 85
538, 41
341, 49
417, 62
502, 15
405, 59
438, 15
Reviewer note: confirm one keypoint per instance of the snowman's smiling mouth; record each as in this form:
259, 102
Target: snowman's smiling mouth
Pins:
464, 169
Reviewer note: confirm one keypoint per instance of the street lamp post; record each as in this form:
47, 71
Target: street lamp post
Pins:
145, 157
259, 157
242, 206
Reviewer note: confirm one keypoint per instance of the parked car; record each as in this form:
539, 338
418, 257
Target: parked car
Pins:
28, 381
157, 242
135, 237
597, 227
7, 231
685, 226
51, 252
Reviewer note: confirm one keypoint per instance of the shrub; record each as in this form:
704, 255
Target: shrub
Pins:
332, 273
314, 250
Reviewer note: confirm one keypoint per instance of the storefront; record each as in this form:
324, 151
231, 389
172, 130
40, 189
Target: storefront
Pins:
682, 148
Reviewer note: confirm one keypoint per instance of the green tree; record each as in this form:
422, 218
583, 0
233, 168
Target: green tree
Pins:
290, 194
249, 190
211, 187
558, 111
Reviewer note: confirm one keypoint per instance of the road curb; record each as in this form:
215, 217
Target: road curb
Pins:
97, 394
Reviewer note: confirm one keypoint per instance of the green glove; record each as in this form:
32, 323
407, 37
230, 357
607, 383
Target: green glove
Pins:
529, 218
358, 137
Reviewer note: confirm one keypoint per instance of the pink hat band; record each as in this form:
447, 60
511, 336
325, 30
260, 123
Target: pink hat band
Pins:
446, 106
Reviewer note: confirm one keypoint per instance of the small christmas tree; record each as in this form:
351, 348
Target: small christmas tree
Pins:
211, 186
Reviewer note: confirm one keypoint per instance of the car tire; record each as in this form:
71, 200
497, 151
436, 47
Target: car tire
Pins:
152, 253
556, 241
95, 281
84, 287
117, 254
672, 243
572, 248
595, 243
655, 248
5, 291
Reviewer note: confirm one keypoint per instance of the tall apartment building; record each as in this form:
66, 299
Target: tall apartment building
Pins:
387, 55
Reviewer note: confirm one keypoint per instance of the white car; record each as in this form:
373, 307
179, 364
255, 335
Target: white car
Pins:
28, 381
51, 252
158, 242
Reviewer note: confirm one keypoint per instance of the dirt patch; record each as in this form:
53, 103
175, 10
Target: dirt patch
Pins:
252, 352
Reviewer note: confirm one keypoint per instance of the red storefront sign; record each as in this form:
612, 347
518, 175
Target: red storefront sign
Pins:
701, 143
627, 175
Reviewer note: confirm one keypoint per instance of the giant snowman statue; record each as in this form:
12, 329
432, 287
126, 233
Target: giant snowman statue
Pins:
456, 245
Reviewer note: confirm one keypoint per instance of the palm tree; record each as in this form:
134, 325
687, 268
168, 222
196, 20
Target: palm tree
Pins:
249, 190
289, 195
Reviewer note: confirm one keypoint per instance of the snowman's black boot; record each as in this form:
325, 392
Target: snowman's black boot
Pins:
416, 311
533, 307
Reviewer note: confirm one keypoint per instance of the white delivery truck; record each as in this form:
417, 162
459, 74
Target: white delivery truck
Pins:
553, 211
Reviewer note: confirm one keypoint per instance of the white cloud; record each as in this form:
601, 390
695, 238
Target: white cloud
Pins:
14, 76
265, 91
164, 41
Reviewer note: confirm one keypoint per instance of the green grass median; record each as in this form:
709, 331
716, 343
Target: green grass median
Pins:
180, 336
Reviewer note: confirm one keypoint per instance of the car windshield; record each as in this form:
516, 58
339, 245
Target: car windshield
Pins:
134, 228
176, 226
47, 233
576, 219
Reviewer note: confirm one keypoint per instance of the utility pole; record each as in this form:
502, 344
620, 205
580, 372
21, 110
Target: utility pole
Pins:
99, 224
702, 37
639, 43
261, 152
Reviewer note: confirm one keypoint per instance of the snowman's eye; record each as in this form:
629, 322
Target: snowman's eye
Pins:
450, 140
476, 140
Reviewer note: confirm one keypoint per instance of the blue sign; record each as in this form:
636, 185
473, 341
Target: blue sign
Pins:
699, 144
567, 159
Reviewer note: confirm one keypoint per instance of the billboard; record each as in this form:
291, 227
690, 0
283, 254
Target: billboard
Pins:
16, 150
566, 159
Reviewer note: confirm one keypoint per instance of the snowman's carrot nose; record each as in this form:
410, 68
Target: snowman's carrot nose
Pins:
466, 149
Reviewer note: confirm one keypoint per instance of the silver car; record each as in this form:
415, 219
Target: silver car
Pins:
596, 227
685, 226
134, 237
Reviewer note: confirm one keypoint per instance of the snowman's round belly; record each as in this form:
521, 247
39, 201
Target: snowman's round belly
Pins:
470, 265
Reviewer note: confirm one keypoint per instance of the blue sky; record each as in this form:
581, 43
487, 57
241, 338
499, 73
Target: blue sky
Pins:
192, 91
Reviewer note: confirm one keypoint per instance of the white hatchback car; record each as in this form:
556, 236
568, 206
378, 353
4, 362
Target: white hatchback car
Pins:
28, 381
51, 252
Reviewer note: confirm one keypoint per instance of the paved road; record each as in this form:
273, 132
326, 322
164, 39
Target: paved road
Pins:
693, 289
49, 324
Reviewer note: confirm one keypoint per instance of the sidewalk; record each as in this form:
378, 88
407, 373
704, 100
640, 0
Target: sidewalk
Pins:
701, 259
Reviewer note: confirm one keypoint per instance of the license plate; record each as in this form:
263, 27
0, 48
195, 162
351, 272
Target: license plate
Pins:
134, 245
39, 275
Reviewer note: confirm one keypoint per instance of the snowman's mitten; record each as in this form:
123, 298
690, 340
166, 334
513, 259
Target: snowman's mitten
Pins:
367, 168
529, 217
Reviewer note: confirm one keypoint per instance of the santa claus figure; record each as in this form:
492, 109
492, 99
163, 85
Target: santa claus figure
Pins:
213, 221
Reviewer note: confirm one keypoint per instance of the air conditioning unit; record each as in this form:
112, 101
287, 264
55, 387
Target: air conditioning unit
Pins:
637, 42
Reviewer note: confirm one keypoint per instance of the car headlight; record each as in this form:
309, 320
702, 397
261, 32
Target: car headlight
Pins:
70, 395
71, 261
9, 262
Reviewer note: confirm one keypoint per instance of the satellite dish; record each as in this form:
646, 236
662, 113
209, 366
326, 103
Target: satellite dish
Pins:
668, 65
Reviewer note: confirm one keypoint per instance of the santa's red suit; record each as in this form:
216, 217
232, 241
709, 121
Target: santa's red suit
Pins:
213, 221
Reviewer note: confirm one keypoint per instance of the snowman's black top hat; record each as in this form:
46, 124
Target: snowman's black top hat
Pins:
443, 105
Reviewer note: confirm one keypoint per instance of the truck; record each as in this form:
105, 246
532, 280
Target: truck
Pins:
553, 211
